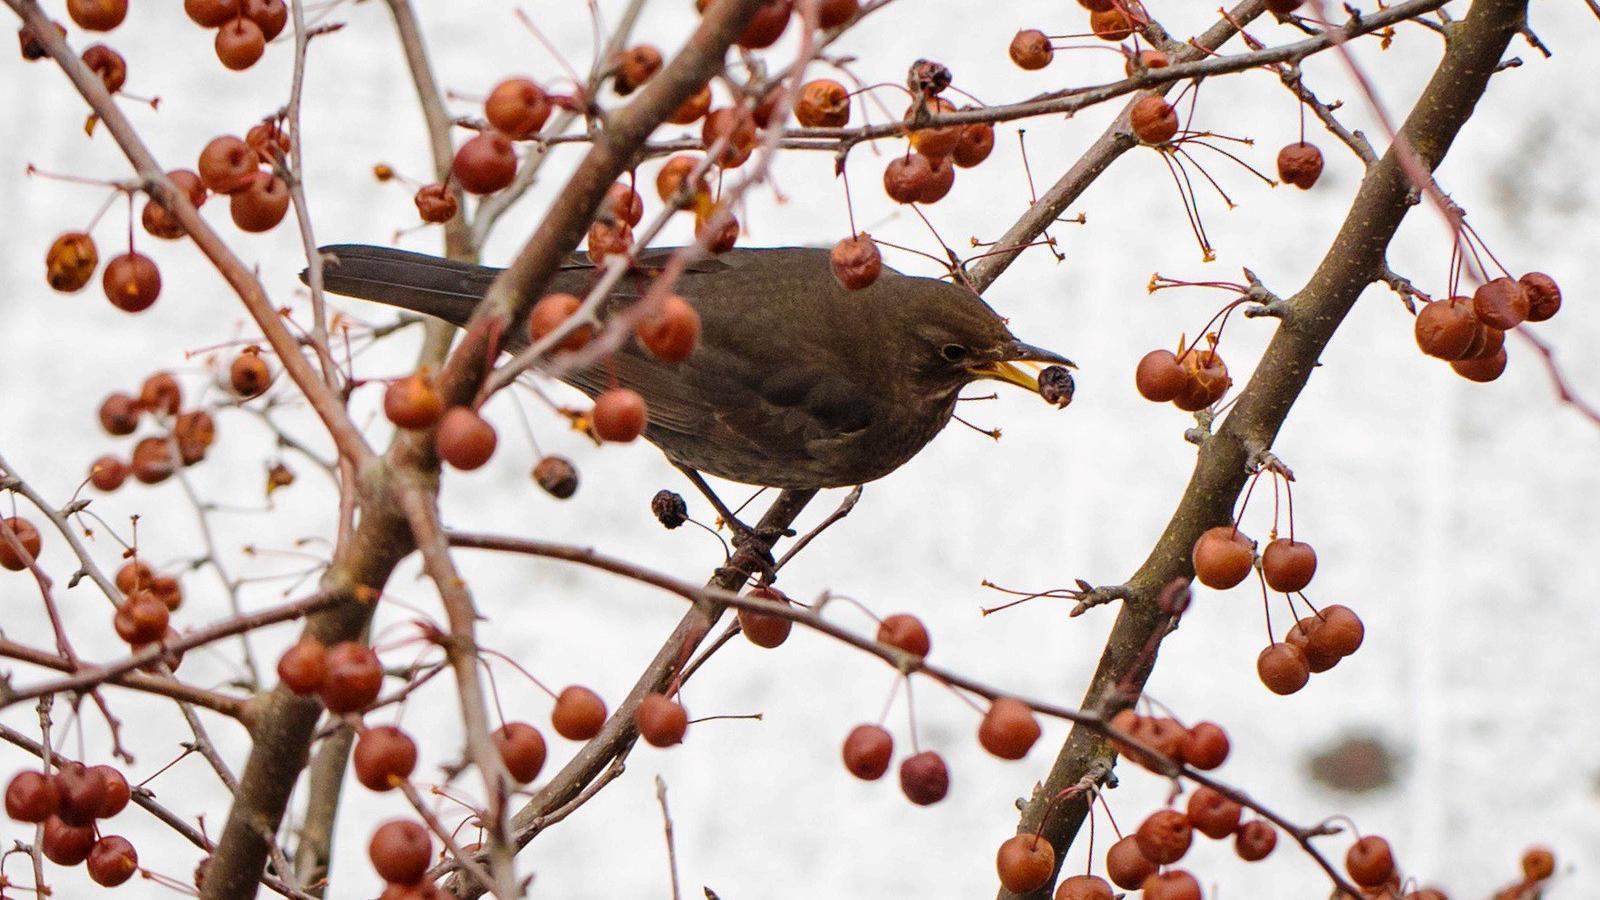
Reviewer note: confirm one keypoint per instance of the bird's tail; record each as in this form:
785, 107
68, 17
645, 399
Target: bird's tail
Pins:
415, 281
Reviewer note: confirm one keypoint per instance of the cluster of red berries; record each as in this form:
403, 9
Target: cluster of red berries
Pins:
186, 438
243, 27
1191, 379
68, 803
1470, 332
143, 617
257, 198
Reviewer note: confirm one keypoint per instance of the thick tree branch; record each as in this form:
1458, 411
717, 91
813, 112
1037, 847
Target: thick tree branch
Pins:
1354, 261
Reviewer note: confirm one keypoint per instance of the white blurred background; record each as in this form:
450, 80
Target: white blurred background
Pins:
1456, 518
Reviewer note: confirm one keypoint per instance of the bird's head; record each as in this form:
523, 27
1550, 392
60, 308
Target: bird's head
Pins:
957, 339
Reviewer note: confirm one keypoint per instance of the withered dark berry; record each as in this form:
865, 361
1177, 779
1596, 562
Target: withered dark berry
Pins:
669, 509
1056, 386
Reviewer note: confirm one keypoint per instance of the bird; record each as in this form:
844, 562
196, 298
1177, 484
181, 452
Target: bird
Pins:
796, 383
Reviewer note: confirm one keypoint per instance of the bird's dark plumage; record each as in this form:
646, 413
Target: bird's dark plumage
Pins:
797, 382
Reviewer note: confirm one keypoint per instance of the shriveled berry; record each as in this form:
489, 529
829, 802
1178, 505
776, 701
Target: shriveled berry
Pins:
240, 44
1501, 303
823, 103
1112, 24
1212, 814
28, 536
119, 414
934, 143
142, 618
161, 393
735, 128
1164, 836
974, 146
676, 175
1445, 328
260, 204
906, 632
924, 778
485, 163
153, 461
112, 861
249, 375
1025, 863
635, 66
436, 204
1481, 370
1208, 380
226, 164
1300, 164
465, 439
383, 755
623, 203
1369, 861
716, 230
1223, 557
1126, 865
1144, 60
71, 262
1538, 863
1009, 729
1153, 120
1160, 377
764, 629
400, 851
269, 139
413, 401
1288, 564
1031, 49
867, 750
557, 476
1056, 386
518, 108
1205, 746
672, 332
1254, 840
690, 110
354, 677
131, 282
856, 262
669, 509
619, 415
579, 713
609, 238
31, 797
1283, 668
108, 64
1544, 296
661, 721
943, 177
907, 176
522, 749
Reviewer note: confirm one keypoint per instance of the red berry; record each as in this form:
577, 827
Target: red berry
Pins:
304, 667
619, 415
1283, 668
1502, 303
1153, 119
82, 791
823, 103
517, 107
1288, 565
975, 145
31, 797
1031, 49
465, 439
905, 632
354, 677
131, 282
1164, 836
117, 793
249, 375
764, 629
1300, 164
1445, 328
867, 750
579, 713
112, 861
436, 203
260, 204
1544, 296
1481, 370
672, 332
1340, 632
1205, 746
550, 312
522, 749
142, 618
400, 851
240, 43
557, 476
1173, 884
924, 778
382, 756
1126, 865
1009, 729
1025, 863
485, 163
66, 845
71, 261
856, 262
1369, 861
1212, 814
270, 15
1084, 887
97, 15
413, 402
1254, 840
1223, 557
661, 721
28, 536
1538, 863
907, 177
1159, 376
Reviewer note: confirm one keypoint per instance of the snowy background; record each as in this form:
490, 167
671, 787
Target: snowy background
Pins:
1456, 518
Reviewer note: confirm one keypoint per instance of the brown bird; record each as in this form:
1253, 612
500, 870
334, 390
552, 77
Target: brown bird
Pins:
797, 382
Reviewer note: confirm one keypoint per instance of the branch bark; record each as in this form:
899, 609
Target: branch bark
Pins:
1354, 260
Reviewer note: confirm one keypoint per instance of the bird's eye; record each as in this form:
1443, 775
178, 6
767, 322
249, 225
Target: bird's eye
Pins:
953, 352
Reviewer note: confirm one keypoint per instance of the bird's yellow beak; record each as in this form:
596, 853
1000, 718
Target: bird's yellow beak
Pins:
1006, 369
